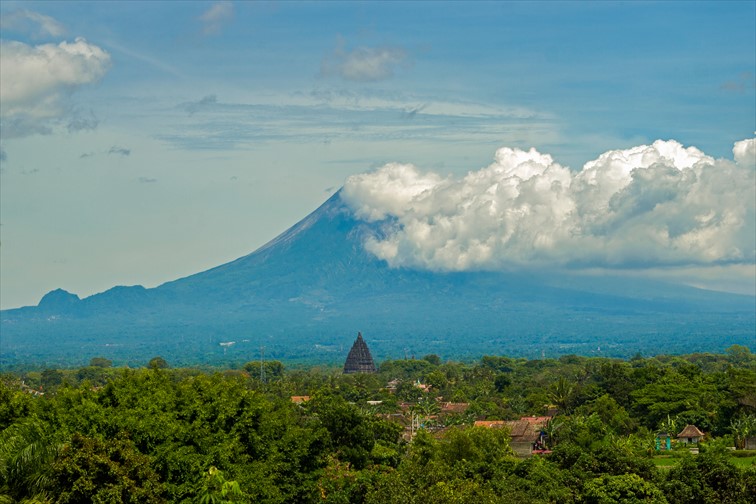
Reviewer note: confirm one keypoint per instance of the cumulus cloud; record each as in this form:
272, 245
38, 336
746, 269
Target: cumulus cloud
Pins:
216, 17
653, 205
34, 23
364, 63
34, 81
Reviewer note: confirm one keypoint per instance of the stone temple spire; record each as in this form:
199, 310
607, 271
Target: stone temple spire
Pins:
359, 359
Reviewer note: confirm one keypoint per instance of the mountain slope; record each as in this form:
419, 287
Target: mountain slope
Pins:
308, 291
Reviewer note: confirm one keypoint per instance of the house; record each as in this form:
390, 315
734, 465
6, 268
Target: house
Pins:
527, 433
299, 399
392, 385
690, 435
453, 408
422, 386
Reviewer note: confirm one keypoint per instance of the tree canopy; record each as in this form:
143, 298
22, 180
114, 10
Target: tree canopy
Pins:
406, 434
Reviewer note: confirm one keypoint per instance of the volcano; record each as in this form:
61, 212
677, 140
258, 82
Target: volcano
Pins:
304, 295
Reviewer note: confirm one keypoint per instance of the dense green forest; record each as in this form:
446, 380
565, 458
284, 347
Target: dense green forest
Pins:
157, 434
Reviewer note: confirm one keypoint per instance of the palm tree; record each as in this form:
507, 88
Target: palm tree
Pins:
561, 394
27, 451
551, 429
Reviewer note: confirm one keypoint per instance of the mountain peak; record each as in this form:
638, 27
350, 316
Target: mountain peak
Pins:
302, 292
58, 299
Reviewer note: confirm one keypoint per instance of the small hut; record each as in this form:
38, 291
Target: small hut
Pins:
690, 435
359, 359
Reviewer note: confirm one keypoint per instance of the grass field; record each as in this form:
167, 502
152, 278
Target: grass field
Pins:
666, 462
743, 461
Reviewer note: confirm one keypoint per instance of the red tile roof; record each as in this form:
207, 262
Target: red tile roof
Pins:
451, 407
489, 423
524, 429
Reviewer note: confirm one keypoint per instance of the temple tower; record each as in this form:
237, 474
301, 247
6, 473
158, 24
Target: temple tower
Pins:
359, 359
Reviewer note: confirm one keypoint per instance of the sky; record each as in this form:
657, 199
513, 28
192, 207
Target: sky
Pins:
141, 142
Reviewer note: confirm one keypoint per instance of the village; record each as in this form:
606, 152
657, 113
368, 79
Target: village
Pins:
501, 429
529, 435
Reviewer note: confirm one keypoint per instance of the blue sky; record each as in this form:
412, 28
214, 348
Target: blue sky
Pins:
194, 132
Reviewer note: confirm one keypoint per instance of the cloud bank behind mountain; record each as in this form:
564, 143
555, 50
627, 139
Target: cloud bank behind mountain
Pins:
662, 205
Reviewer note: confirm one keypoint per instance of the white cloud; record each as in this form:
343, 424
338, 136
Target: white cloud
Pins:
216, 17
744, 152
364, 63
34, 23
389, 191
648, 206
34, 80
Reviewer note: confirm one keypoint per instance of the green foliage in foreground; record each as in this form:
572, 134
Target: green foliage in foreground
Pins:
161, 434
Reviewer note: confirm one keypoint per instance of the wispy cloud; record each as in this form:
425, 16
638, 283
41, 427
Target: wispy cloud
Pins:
365, 64
33, 23
120, 151
216, 17
411, 112
20, 125
196, 106
333, 115
146, 58
82, 122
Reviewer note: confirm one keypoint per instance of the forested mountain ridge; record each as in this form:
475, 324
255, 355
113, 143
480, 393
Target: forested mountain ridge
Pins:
304, 294
157, 434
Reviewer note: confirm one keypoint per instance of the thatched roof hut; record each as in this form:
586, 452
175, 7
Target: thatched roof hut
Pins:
690, 434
